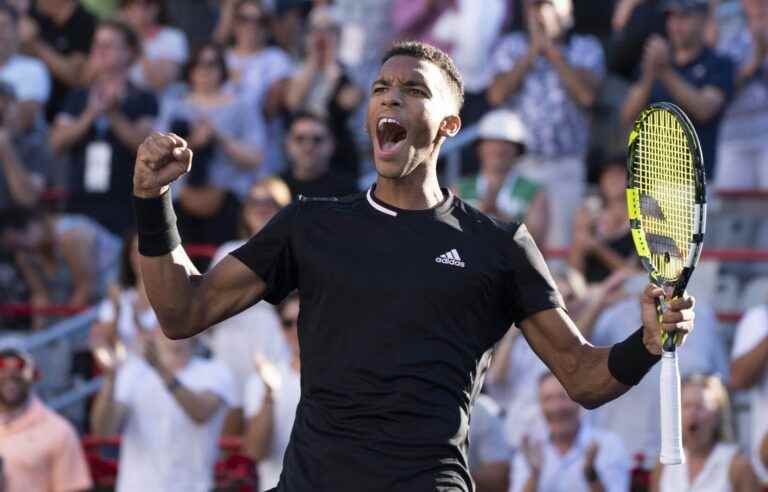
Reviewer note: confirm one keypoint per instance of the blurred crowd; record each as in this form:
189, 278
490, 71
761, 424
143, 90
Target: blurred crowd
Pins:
271, 95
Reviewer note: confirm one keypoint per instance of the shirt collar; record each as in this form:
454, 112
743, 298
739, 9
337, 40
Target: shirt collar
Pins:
441, 208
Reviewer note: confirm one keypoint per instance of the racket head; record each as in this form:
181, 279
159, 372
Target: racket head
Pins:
666, 194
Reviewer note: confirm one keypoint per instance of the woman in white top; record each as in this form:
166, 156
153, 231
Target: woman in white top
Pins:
712, 462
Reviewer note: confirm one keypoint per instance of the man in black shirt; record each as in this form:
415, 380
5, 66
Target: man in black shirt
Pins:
404, 290
309, 145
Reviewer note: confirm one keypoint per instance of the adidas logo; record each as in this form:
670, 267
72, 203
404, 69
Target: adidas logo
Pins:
451, 258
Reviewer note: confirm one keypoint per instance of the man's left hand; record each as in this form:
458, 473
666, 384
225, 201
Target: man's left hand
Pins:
677, 318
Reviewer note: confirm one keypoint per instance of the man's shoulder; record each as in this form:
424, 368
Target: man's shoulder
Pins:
314, 204
484, 222
57, 428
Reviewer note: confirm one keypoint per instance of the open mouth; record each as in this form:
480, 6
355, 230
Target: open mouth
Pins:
391, 134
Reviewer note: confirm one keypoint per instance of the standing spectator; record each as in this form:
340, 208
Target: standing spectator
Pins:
257, 329
712, 462
572, 456
100, 128
550, 75
742, 150
748, 372
169, 409
499, 189
163, 48
40, 450
26, 75
310, 145
602, 242
25, 160
59, 32
685, 71
488, 452
271, 397
65, 259
322, 86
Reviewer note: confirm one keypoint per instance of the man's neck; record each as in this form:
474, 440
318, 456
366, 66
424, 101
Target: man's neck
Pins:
564, 442
9, 414
685, 55
419, 190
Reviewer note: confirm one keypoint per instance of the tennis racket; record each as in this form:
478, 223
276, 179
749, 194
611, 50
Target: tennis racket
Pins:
666, 198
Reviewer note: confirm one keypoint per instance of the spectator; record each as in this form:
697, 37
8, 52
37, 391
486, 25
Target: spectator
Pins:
488, 452
704, 353
257, 329
65, 259
633, 22
271, 398
26, 75
288, 20
742, 151
499, 189
126, 314
712, 462
550, 75
58, 32
683, 70
40, 450
323, 86
169, 408
253, 65
310, 145
163, 48
25, 160
749, 360
101, 126
573, 456
602, 242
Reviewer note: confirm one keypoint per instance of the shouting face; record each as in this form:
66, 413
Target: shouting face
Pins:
410, 113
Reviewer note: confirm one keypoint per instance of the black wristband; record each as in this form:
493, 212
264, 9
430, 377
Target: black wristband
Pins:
156, 225
629, 361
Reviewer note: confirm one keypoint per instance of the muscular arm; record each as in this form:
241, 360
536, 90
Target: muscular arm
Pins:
747, 369
702, 104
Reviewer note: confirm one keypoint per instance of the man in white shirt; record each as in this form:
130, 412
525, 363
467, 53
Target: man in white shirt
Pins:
28, 76
169, 408
572, 456
749, 359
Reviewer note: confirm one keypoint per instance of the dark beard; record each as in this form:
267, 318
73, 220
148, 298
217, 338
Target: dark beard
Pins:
18, 401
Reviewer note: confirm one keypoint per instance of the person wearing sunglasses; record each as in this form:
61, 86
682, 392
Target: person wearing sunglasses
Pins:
310, 146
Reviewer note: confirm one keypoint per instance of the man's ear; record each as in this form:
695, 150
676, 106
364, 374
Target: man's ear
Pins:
450, 125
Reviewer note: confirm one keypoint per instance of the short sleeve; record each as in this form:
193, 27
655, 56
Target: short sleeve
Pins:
721, 75
508, 52
529, 287
69, 470
587, 54
270, 254
752, 328
254, 395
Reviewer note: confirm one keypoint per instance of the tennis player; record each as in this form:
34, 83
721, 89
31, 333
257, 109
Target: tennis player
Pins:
404, 290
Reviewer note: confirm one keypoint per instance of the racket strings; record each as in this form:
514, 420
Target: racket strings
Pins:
665, 178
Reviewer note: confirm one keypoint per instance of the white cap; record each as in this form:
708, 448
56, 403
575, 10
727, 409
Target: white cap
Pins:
503, 124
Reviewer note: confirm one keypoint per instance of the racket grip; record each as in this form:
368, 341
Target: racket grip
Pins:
671, 426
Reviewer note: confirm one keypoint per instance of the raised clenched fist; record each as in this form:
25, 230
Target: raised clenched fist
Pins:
161, 159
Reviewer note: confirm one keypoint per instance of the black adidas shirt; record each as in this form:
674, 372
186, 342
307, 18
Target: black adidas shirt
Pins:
399, 312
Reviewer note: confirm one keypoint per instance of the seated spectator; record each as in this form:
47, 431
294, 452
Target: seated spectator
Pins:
570, 455
550, 75
26, 165
271, 397
712, 462
488, 452
60, 33
499, 189
169, 407
602, 242
65, 259
26, 75
309, 145
257, 329
40, 449
704, 353
100, 127
749, 363
742, 152
126, 314
322, 86
685, 71
164, 49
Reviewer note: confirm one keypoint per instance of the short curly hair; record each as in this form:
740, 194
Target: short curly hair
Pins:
436, 56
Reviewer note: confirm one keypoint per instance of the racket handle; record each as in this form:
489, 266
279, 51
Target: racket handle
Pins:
671, 427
